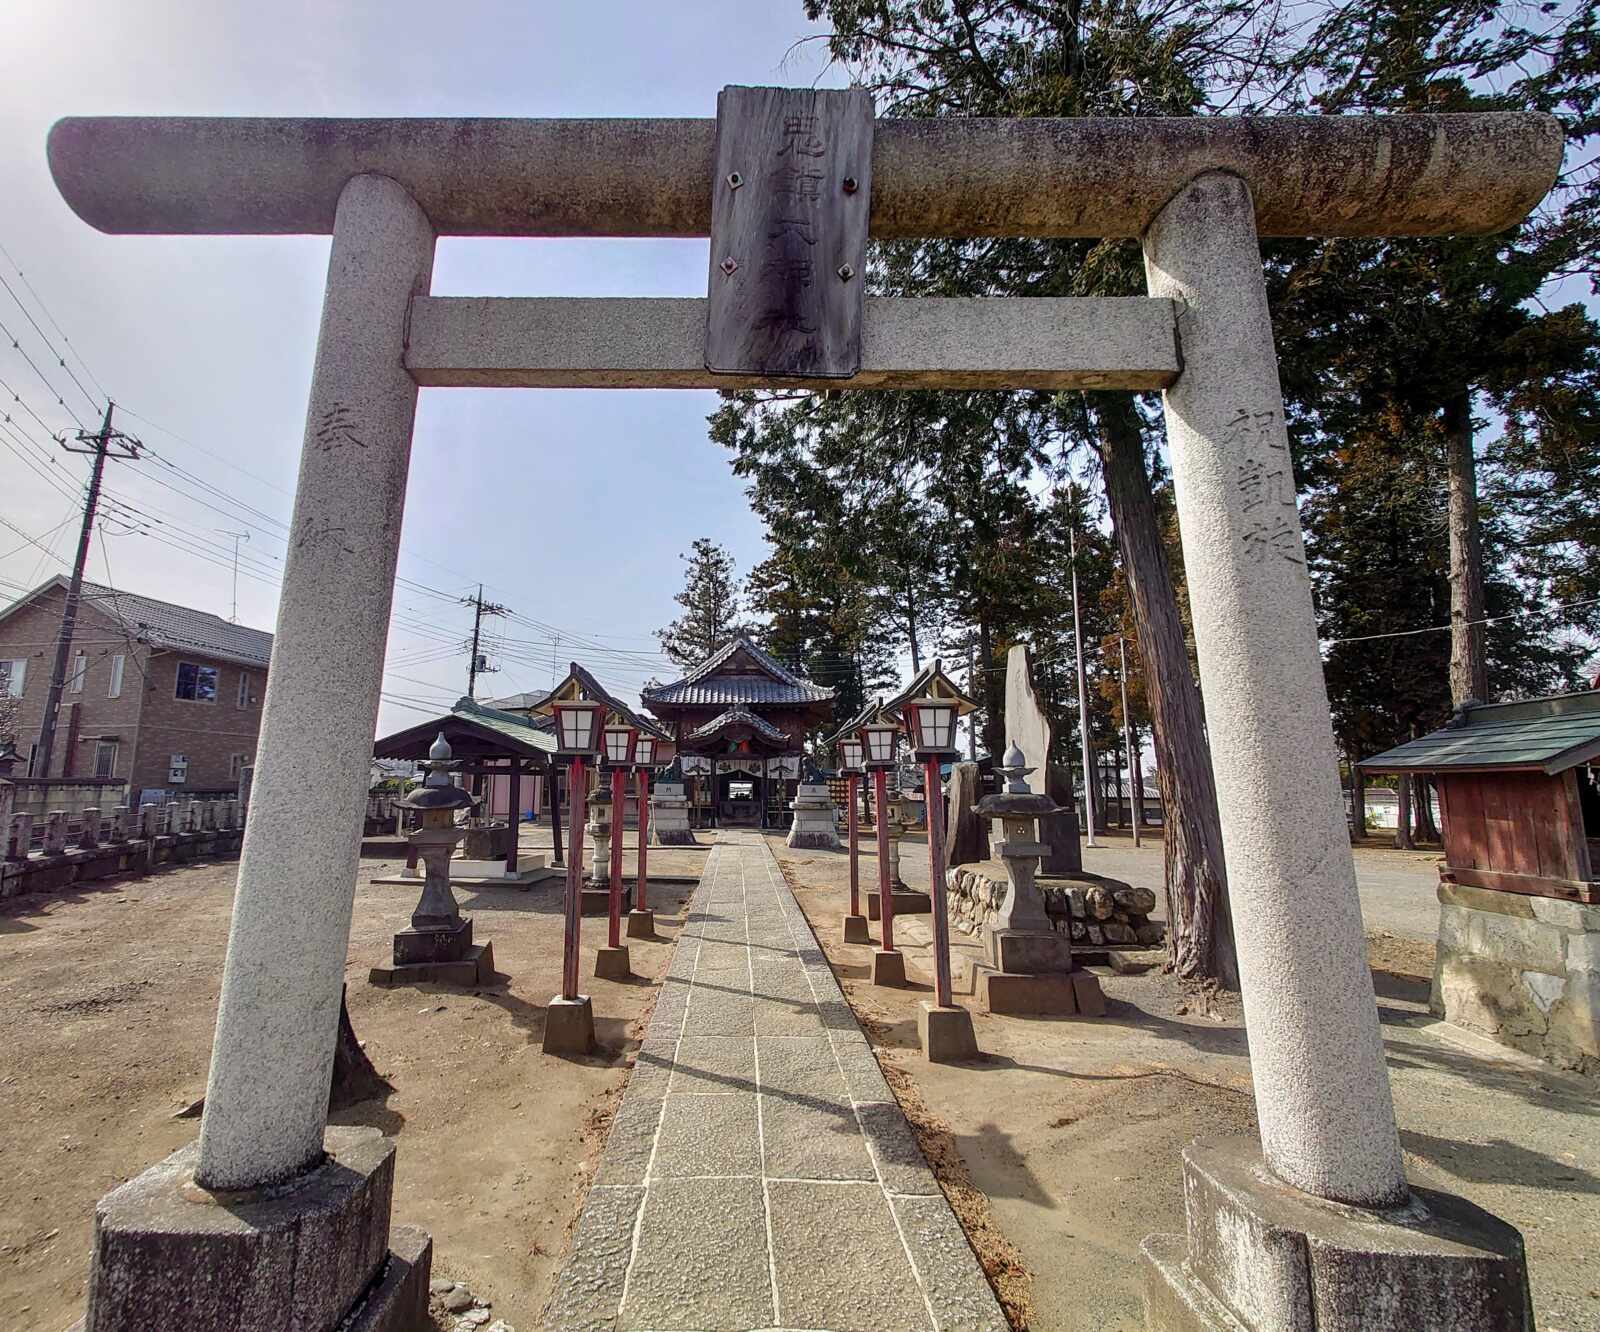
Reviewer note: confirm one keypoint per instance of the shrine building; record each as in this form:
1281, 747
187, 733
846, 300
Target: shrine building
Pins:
739, 721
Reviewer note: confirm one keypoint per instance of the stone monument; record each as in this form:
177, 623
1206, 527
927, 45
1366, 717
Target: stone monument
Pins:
1029, 964
813, 825
437, 948
1029, 729
669, 810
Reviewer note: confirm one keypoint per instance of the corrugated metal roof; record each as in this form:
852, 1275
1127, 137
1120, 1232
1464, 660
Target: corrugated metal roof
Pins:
1546, 735
708, 685
523, 730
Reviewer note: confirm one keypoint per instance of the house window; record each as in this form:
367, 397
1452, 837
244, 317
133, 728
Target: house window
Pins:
105, 758
12, 675
236, 765
118, 664
244, 689
198, 684
80, 668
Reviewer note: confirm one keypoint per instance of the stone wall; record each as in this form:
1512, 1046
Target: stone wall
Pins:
1096, 911
1524, 970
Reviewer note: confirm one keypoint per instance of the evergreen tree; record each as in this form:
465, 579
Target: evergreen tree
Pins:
711, 603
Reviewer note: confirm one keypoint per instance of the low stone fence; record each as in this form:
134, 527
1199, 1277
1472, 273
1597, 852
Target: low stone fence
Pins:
1096, 911
1523, 970
128, 842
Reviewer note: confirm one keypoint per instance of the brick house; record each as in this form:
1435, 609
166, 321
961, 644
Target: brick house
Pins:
163, 697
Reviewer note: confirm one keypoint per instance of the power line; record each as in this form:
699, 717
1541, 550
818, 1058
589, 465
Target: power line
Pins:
61, 332
1488, 619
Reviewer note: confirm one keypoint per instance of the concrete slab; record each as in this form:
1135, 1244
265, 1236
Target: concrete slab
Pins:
708, 1133
700, 1259
714, 1064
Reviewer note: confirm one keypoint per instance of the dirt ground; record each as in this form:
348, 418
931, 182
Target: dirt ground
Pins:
1060, 1148
107, 1001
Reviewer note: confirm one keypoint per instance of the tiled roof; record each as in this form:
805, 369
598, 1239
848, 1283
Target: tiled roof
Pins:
1540, 734
523, 730
738, 716
708, 685
592, 690
174, 628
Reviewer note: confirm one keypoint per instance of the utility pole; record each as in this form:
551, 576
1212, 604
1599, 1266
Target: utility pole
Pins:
106, 443
1127, 741
237, 538
1083, 699
478, 665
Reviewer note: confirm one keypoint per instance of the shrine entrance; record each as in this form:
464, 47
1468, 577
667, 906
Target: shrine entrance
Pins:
789, 184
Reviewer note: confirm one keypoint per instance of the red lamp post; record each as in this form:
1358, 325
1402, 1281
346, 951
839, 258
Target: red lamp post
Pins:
569, 1021
931, 725
879, 740
641, 920
852, 761
612, 962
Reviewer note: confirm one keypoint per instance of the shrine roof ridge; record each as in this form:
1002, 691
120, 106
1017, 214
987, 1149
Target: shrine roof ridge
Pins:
1472, 173
703, 687
738, 715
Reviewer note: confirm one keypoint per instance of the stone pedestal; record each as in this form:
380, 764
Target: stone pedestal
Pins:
1264, 1257
437, 956
907, 902
569, 1026
946, 1034
813, 825
641, 924
669, 816
888, 967
304, 1256
855, 930
612, 963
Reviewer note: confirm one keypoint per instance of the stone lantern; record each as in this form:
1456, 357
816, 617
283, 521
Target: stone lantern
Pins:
438, 947
1029, 966
597, 882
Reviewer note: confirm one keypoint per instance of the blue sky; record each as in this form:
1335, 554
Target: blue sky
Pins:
209, 340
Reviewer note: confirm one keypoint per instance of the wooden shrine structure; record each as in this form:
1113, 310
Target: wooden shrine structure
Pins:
1520, 806
739, 722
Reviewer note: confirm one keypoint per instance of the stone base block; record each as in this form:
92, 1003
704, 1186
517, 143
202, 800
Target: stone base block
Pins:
673, 837
946, 1034
641, 924
476, 968
855, 930
1028, 950
888, 967
1037, 994
397, 1301
433, 945
296, 1258
569, 1026
906, 903
612, 963
1260, 1255
596, 901
1086, 990
813, 841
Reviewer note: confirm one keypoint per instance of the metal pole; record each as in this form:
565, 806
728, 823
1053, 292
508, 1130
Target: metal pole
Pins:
880, 792
640, 902
619, 798
1127, 737
1083, 701
936, 885
577, 780
853, 827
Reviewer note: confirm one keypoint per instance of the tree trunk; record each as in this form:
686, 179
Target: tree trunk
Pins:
994, 720
1358, 802
1427, 829
1200, 931
1402, 823
1469, 667
911, 631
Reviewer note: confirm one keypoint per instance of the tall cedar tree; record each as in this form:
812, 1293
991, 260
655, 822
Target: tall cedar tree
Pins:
944, 58
712, 607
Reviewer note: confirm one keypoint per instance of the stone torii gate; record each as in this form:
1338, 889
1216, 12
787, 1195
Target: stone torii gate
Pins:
1317, 1229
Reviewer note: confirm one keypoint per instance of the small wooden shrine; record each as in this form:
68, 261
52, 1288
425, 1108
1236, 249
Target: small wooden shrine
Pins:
739, 721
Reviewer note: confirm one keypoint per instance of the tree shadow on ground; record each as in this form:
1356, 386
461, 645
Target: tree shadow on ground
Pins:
1499, 1162
1545, 1090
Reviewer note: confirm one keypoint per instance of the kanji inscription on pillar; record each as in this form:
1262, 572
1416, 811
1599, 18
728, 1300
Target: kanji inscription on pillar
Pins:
790, 198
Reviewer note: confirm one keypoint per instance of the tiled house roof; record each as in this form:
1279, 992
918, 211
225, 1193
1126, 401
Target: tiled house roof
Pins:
170, 627
712, 684
738, 716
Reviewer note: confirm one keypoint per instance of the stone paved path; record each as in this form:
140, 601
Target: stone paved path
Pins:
759, 1173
